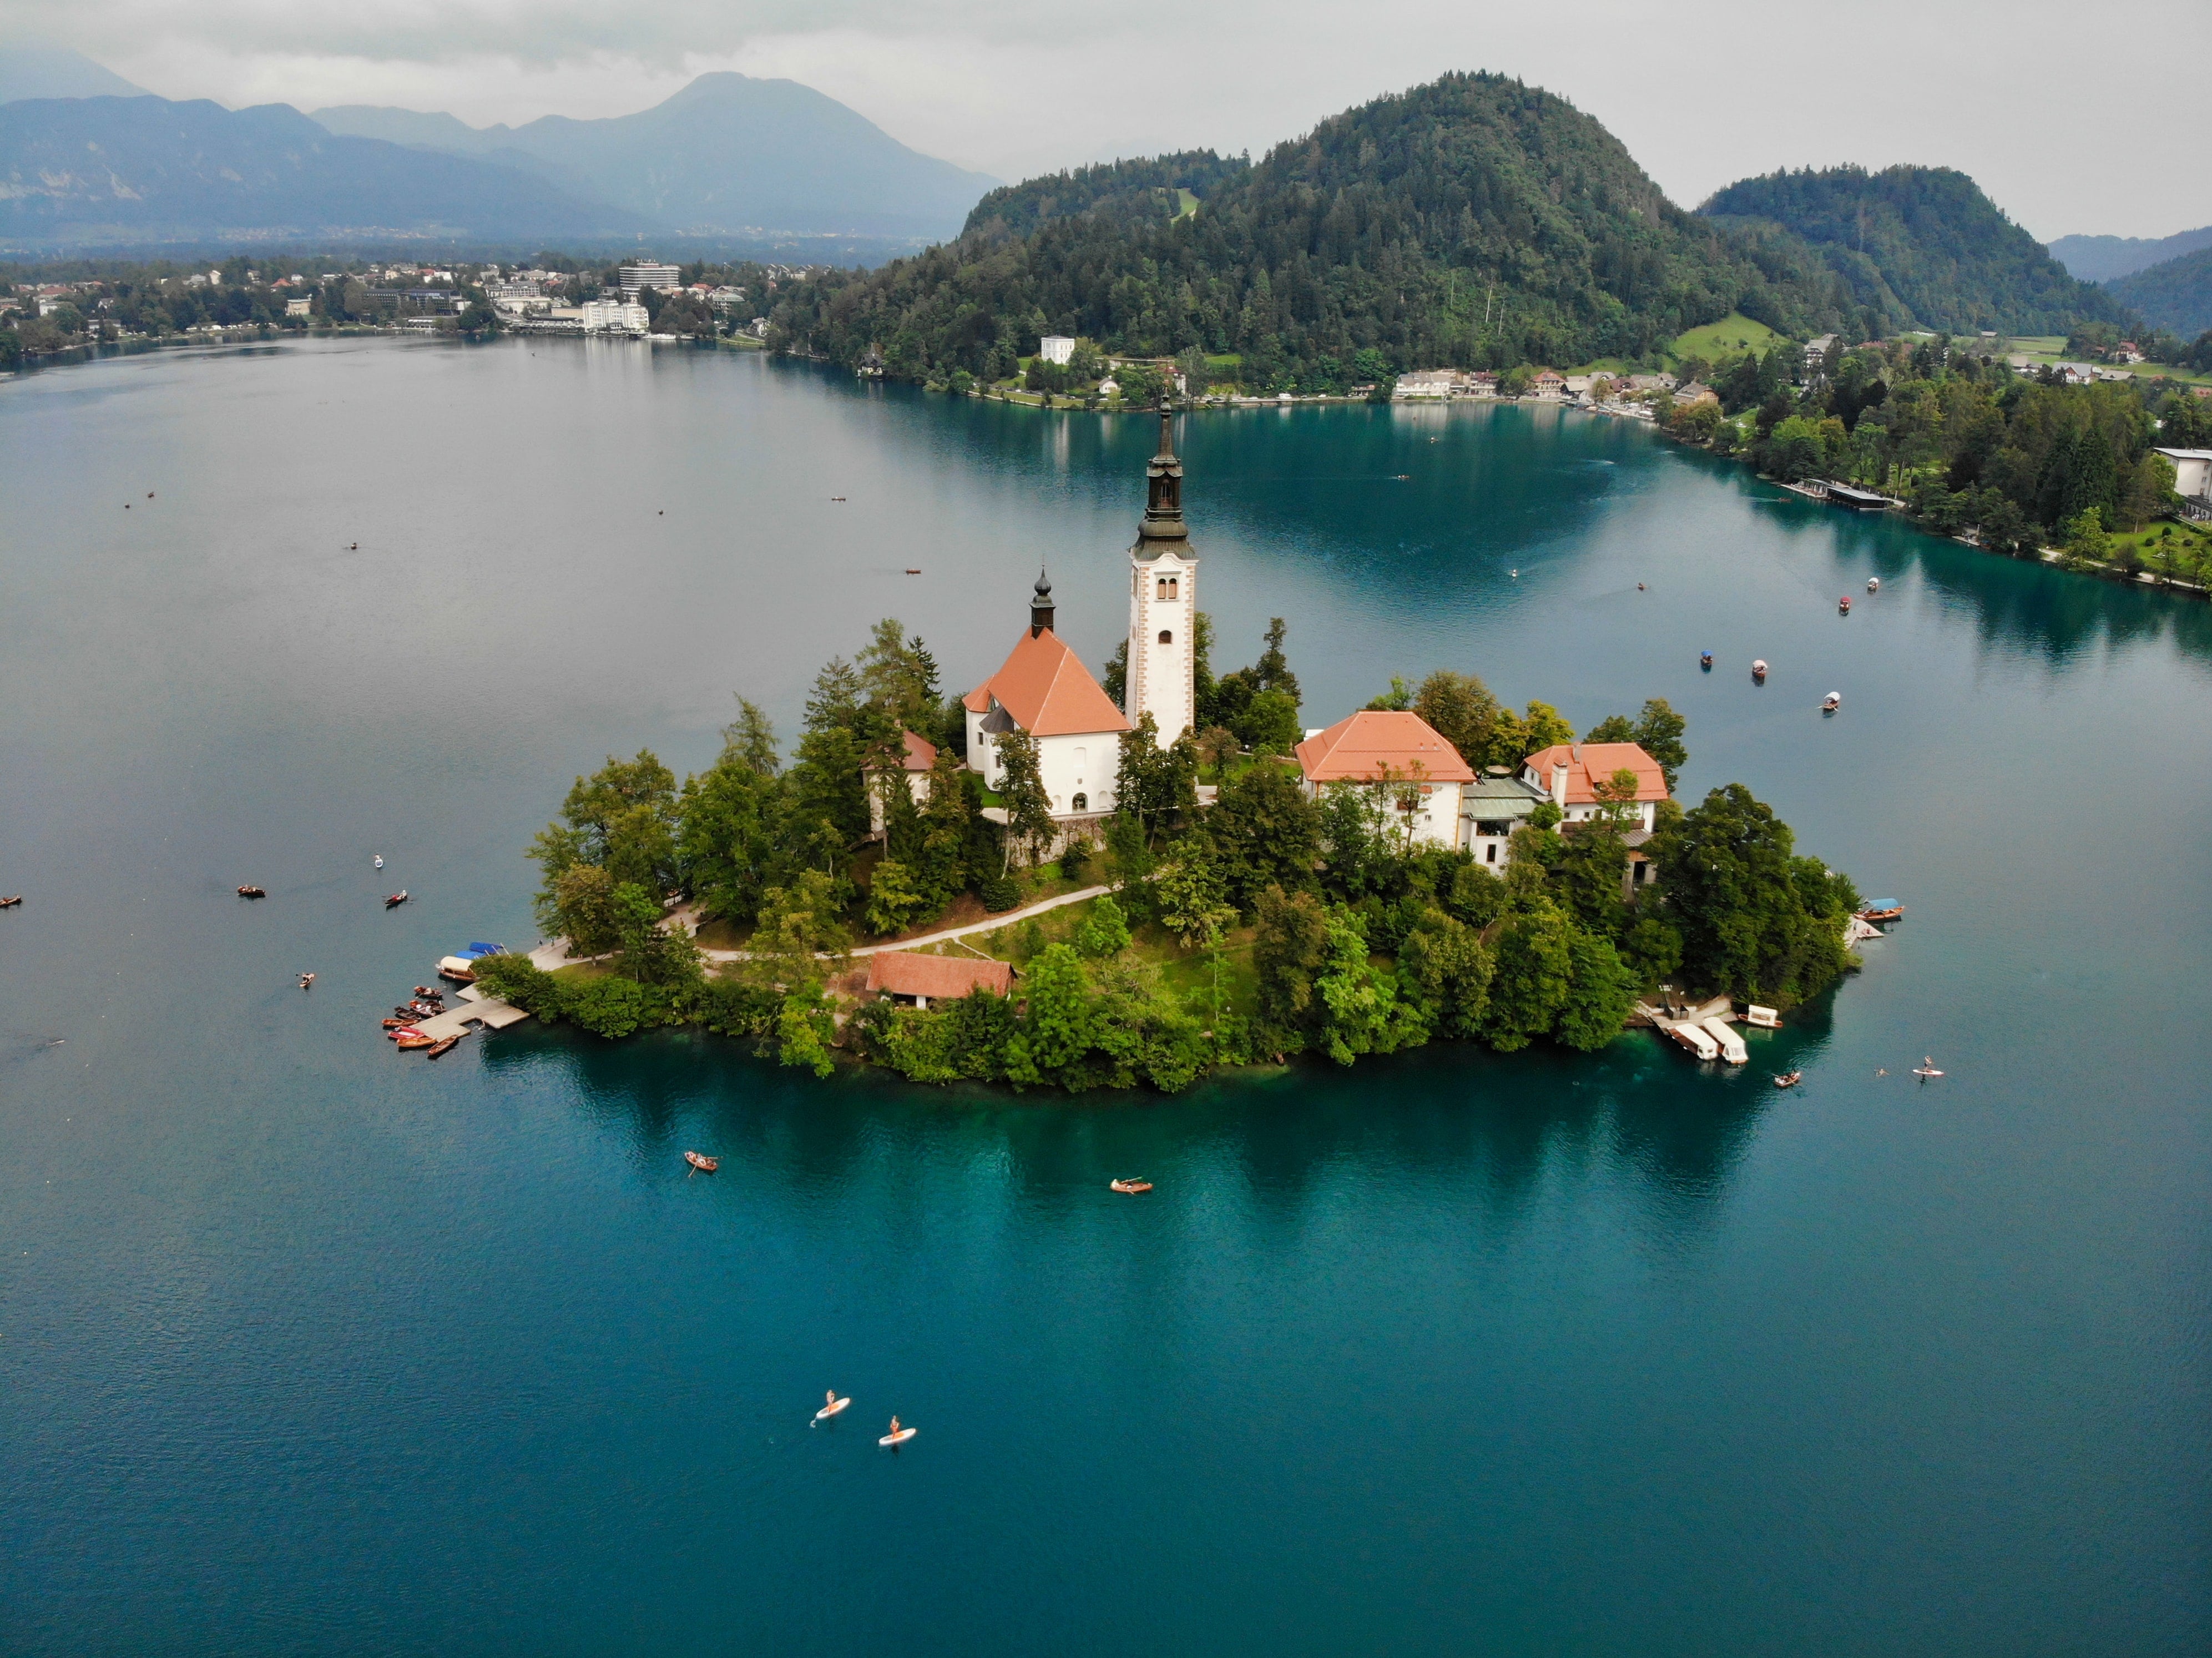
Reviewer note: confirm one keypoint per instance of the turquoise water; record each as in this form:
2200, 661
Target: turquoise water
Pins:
306, 1347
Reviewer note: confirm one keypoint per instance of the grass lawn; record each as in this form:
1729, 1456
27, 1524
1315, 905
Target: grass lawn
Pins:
1186, 204
1732, 336
2183, 550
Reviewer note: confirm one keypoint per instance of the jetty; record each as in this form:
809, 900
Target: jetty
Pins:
476, 1009
1706, 1030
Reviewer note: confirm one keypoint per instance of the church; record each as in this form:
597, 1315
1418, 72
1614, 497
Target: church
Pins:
1044, 689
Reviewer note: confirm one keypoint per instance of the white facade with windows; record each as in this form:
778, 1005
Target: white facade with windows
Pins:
1057, 348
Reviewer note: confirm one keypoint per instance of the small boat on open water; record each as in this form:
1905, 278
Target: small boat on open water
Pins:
1759, 668
10, 901
393, 900
1882, 909
1705, 661
253, 892
1874, 584
1831, 702
444, 1045
1128, 1186
703, 1163
1789, 1079
1843, 604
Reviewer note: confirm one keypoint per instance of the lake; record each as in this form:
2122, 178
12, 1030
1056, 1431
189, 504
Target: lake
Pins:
306, 1347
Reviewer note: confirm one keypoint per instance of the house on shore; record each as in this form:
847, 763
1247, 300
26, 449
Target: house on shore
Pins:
1568, 775
1398, 752
1043, 688
916, 981
1491, 808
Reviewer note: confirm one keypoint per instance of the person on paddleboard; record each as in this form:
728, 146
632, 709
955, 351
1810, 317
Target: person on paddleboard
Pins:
895, 1427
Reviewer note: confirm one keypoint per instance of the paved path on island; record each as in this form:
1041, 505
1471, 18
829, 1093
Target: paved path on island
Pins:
555, 953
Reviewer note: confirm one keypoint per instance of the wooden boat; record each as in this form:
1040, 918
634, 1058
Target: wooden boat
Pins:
1765, 1018
1706, 660
1882, 909
1831, 702
397, 1024
395, 899
1789, 1079
1758, 669
1843, 604
703, 1163
1874, 584
253, 892
410, 1038
1131, 1186
457, 968
11, 902
444, 1045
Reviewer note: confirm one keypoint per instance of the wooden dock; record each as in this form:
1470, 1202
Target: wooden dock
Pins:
476, 1008
1704, 1030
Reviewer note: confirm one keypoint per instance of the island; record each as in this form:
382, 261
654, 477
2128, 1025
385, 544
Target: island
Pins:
1079, 882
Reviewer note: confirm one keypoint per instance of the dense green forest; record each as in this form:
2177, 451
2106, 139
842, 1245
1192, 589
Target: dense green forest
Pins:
1920, 247
1263, 925
2175, 295
1474, 223
2019, 461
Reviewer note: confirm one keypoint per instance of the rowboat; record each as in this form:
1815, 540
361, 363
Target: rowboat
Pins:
1874, 584
1843, 604
1758, 669
1831, 702
1706, 659
253, 892
408, 1037
395, 1024
1882, 909
11, 902
703, 1163
443, 1044
1789, 1079
392, 901
1129, 1186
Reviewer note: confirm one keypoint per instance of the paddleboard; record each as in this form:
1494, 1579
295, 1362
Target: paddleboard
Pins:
831, 1410
898, 1438
1917, 1072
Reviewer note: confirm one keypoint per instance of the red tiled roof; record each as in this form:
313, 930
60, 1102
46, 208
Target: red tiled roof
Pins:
920, 755
1588, 761
1357, 748
900, 972
1047, 689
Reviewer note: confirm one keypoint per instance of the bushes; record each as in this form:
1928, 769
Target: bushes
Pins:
999, 894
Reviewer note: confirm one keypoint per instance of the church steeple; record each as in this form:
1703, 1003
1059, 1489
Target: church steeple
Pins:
1040, 606
1163, 529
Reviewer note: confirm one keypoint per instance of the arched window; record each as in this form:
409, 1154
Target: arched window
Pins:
1080, 803
1166, 638
1165, 587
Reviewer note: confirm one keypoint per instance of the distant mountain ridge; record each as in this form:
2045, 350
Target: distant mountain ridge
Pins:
85, 172
1924, 242
2176, 295
2106, 259
34, 70
727, 153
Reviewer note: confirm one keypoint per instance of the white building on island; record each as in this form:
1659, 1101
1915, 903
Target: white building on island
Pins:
1043, 688
1162, 678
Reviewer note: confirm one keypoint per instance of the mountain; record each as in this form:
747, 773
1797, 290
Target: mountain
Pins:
727, 153
2102, 259
1475, 221
88, 171
1924, 239
2176, 295
34, 70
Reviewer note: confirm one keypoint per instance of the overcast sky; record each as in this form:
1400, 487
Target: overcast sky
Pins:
2073, 117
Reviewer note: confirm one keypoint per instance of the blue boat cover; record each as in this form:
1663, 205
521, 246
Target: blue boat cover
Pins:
1881, 904
485, 949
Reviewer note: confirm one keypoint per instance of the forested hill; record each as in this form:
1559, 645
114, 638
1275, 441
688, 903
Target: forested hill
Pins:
1922, 243
1472, 222
1128, 191
2176, 295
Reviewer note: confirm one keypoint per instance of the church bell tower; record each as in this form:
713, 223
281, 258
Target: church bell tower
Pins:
1163, 601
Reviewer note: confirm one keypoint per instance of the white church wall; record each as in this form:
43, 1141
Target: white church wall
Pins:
1162, 604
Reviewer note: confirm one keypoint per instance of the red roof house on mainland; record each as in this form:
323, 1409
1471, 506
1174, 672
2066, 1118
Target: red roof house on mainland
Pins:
1044, 685
922, 980
1570, 774
1377, 744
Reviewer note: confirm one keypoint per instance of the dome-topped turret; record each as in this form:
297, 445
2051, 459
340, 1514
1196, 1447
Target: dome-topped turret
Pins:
1040, 606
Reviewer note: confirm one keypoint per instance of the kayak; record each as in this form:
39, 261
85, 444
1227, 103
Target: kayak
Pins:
831, 1409
898, 1438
